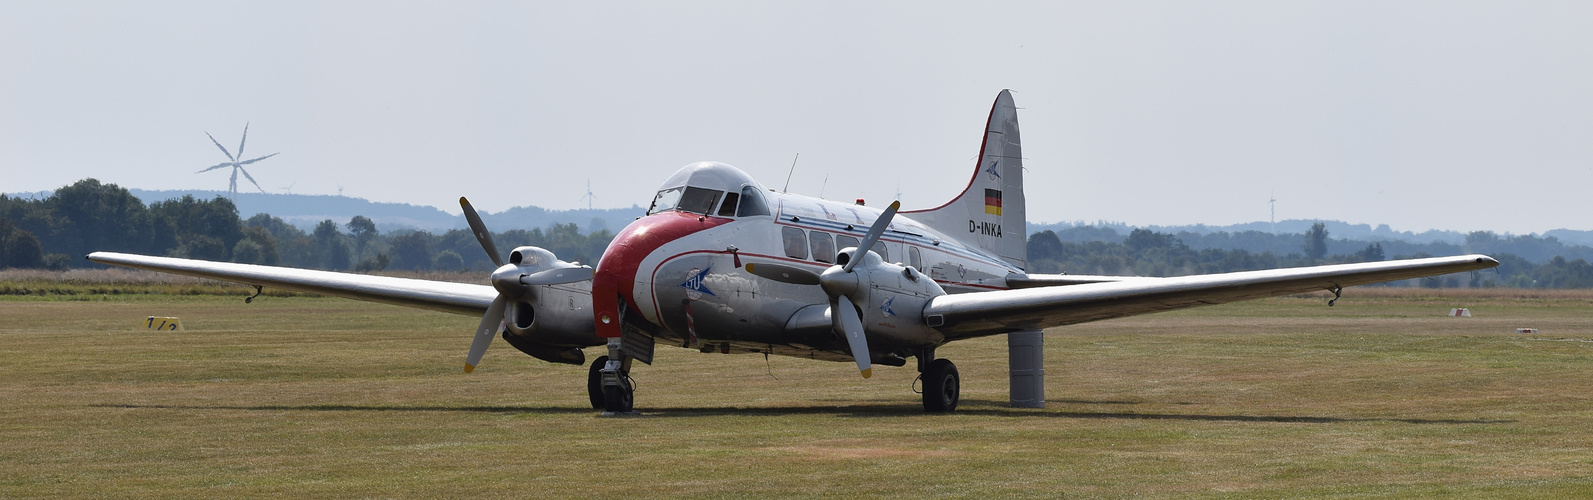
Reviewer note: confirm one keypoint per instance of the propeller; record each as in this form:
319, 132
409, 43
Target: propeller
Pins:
839, 282
480, 229
512, 281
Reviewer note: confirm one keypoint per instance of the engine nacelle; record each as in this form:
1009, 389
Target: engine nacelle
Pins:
556, 314
891, 300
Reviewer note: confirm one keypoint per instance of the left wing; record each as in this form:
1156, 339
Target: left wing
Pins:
1005, 311
457, 298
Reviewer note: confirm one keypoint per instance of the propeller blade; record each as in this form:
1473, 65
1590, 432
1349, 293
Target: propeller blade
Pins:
485, 333
218, 145
245, 139
476, 226
228, 164
783, 273
884, 221
854, 334
242, 163
251, 180
558, 276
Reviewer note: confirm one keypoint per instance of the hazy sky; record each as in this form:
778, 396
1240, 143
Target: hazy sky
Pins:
1421, 115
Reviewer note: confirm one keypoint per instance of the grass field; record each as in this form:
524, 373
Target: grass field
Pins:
1380, 396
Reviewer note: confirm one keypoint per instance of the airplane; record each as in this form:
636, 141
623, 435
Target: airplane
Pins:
721, 263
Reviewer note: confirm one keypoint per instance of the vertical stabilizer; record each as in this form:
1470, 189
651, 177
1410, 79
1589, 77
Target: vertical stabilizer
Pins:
989, 212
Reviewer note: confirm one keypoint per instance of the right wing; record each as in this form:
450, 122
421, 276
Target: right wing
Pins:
1004, 311
457, 298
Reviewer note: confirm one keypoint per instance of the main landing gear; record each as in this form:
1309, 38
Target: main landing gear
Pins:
942, 385
608, 384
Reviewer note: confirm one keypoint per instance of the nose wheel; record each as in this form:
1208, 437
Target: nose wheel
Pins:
608, 382
594, 382
942, 386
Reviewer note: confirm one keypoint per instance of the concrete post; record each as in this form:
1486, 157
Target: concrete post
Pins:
1026, 365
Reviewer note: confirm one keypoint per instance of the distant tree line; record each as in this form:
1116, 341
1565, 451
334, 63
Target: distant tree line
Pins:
55, 232
1093, 250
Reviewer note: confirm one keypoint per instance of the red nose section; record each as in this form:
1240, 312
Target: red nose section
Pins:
616, 272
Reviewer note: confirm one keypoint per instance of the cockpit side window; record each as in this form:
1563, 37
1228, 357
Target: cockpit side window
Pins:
698, 200
728, 208
751, 203
666, 199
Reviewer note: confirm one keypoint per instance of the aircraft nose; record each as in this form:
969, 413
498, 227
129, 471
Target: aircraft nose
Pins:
634, 250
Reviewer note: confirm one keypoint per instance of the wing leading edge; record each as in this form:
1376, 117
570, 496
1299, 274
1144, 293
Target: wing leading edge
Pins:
457, 298
1004, 311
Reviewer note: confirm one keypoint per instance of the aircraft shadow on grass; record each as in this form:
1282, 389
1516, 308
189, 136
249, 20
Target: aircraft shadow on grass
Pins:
839, 411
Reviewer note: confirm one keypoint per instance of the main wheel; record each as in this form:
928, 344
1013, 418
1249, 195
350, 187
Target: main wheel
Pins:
942, 386
618, 398
594, 382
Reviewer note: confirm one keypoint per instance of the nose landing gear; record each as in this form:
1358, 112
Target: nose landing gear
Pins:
608, 383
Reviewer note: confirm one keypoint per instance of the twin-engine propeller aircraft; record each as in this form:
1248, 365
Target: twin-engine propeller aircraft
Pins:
721, 263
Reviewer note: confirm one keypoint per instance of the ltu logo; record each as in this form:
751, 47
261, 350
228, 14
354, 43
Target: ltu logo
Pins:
695, 285
995, 174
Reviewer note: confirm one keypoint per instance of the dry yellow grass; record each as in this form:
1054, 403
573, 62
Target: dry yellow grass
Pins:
1379, 396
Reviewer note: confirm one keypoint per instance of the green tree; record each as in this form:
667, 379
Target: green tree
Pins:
1144, 239
364, 230
18, 247
1372, 253
449, 260
412, 251
1316, 241
329, 244
89, 216
202, 229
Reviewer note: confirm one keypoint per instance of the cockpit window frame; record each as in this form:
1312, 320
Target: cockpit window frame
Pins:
752, 203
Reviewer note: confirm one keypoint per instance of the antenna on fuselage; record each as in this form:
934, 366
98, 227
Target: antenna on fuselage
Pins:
787, 187
824, 185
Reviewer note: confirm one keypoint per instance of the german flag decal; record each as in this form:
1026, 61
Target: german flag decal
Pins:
992, 202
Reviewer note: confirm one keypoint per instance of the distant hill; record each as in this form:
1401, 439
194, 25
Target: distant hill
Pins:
305, 211
1338, 229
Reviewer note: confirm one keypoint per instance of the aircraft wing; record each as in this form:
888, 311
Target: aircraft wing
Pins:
457, 298
1041, 280
1005, 311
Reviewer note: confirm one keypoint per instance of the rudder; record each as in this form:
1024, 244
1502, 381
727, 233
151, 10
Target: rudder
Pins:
990, 211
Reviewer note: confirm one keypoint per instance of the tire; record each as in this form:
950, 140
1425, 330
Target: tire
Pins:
618, 398
594, 382
942, 386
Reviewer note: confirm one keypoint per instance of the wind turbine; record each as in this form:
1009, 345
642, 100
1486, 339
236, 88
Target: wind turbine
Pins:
589, 196
237, 166
1274, 218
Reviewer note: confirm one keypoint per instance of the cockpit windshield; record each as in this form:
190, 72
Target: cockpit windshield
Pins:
665, 200
686, 199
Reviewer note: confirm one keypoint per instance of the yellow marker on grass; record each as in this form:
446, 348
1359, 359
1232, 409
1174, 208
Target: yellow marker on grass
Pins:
168, 323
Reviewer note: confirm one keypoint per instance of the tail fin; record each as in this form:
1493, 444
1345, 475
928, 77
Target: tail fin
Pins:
989, 212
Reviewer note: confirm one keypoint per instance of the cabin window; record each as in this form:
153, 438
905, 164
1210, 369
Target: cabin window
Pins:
914, 258
823, 247
751, 203
879, 248
728, 208
796, 242
842, 242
